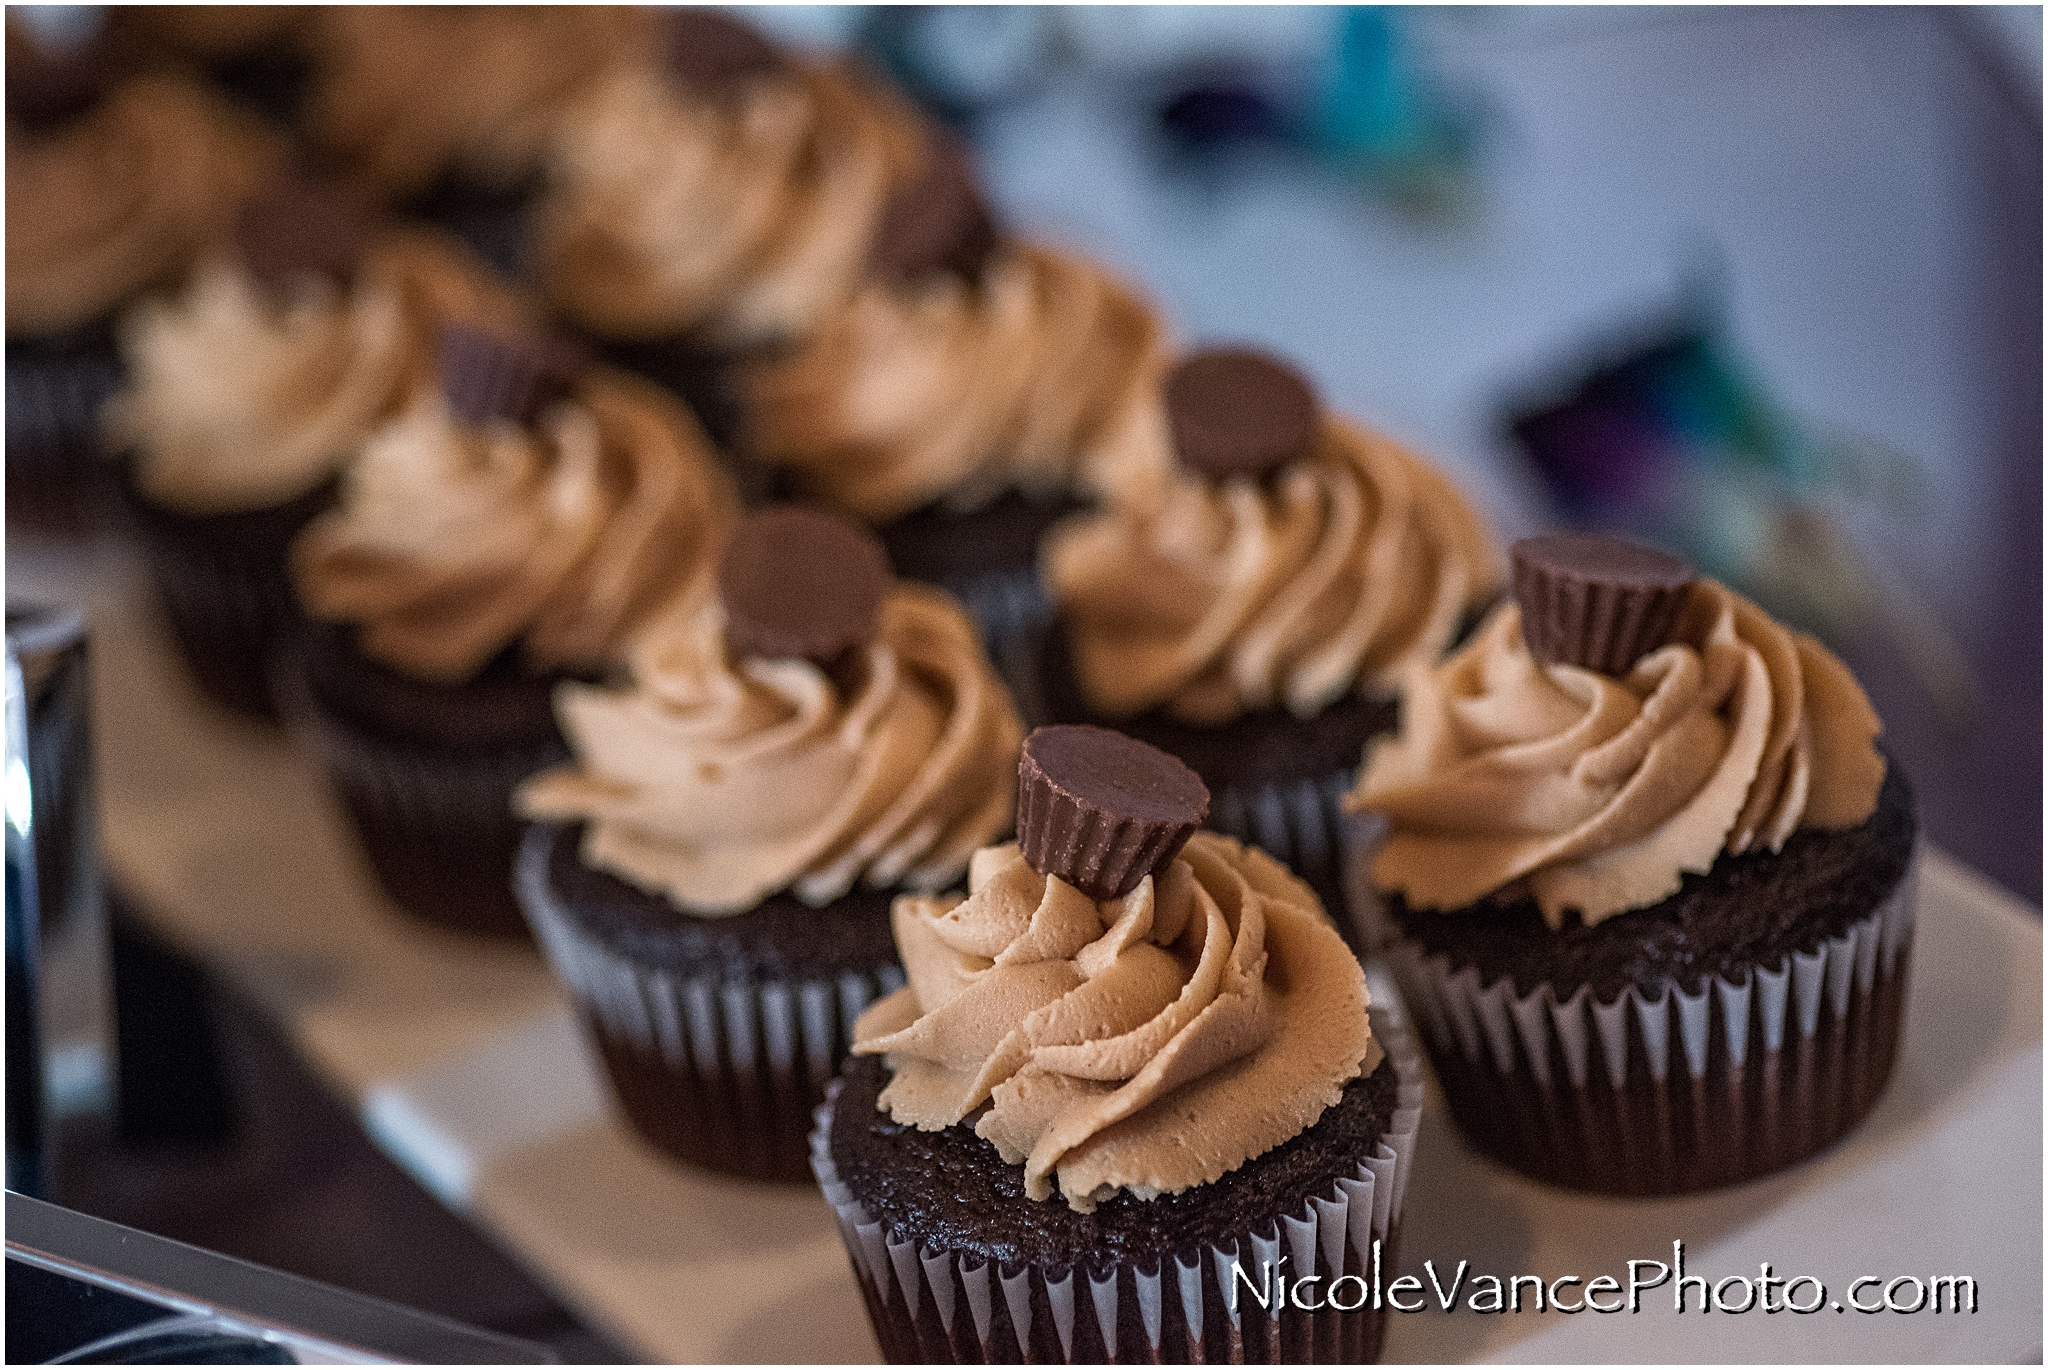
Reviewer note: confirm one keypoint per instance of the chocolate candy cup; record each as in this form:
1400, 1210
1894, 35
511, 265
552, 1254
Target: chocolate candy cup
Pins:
935, 223
708, 51
303, 225
800, 582
1597, 601
1102, 811
493, 376
1239, 413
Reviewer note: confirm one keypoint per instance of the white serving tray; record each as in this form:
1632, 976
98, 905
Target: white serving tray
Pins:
466, 1066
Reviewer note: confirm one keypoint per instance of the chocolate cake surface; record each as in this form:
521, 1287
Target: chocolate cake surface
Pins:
940, 545
782, 938
503, 704
951, 1191
1264, 746
1749, 910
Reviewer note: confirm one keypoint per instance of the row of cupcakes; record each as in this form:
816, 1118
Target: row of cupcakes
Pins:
1273, 571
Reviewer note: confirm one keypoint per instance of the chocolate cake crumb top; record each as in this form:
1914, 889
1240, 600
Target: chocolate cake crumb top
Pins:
1597, 601
1101, 810
1235, 412
950, 1190
799, 582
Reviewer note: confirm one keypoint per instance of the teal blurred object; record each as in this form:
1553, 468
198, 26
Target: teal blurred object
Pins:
1674, 442
1379, 113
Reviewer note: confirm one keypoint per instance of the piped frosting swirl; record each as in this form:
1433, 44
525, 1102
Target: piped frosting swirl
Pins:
1339, 573
452, 541
1148, 1043
717, 780
1597, 792
406, 92
241, 398
944, 389
742, 216
122, 199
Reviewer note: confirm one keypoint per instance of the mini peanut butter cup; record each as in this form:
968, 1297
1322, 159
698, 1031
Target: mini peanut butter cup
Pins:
303, 225
498, 376
711, 52
1597, 601
1101, 810
799, 582
1235, 412
49, 87
937, 222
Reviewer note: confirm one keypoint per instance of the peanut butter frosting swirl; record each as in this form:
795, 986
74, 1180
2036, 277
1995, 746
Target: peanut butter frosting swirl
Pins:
1341, 573
406, 92
452, 542
1147, 1043
123, 199
744, 218
943, 389
1598, 793
718, 781
241, 398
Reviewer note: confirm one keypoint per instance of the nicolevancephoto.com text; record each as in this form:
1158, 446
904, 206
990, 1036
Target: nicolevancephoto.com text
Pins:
1272, 1288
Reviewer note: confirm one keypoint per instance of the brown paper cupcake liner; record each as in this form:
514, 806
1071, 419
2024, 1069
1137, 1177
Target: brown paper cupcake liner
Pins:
930, 1305
437, 825
223, 585
718, 1072
1667, 1092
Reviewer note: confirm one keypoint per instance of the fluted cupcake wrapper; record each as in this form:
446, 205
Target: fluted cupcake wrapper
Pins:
1009, 609
224, 588
1666, 1091
57, 476
436, 824
719, 1072
931, 1305
1301, 824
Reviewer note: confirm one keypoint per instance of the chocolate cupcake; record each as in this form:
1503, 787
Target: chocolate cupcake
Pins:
116, 182
510, 530
1648, 881
1254, 611
251, 387
713, 881
1131, 1074
970, 393
717, 197
449, 110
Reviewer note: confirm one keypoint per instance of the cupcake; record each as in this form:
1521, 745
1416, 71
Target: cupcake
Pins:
249, 388
713, 874
1256, 615
716, 197
115, 185
1131, 1075
972, 391
450, 108
512, 529
1648, 880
